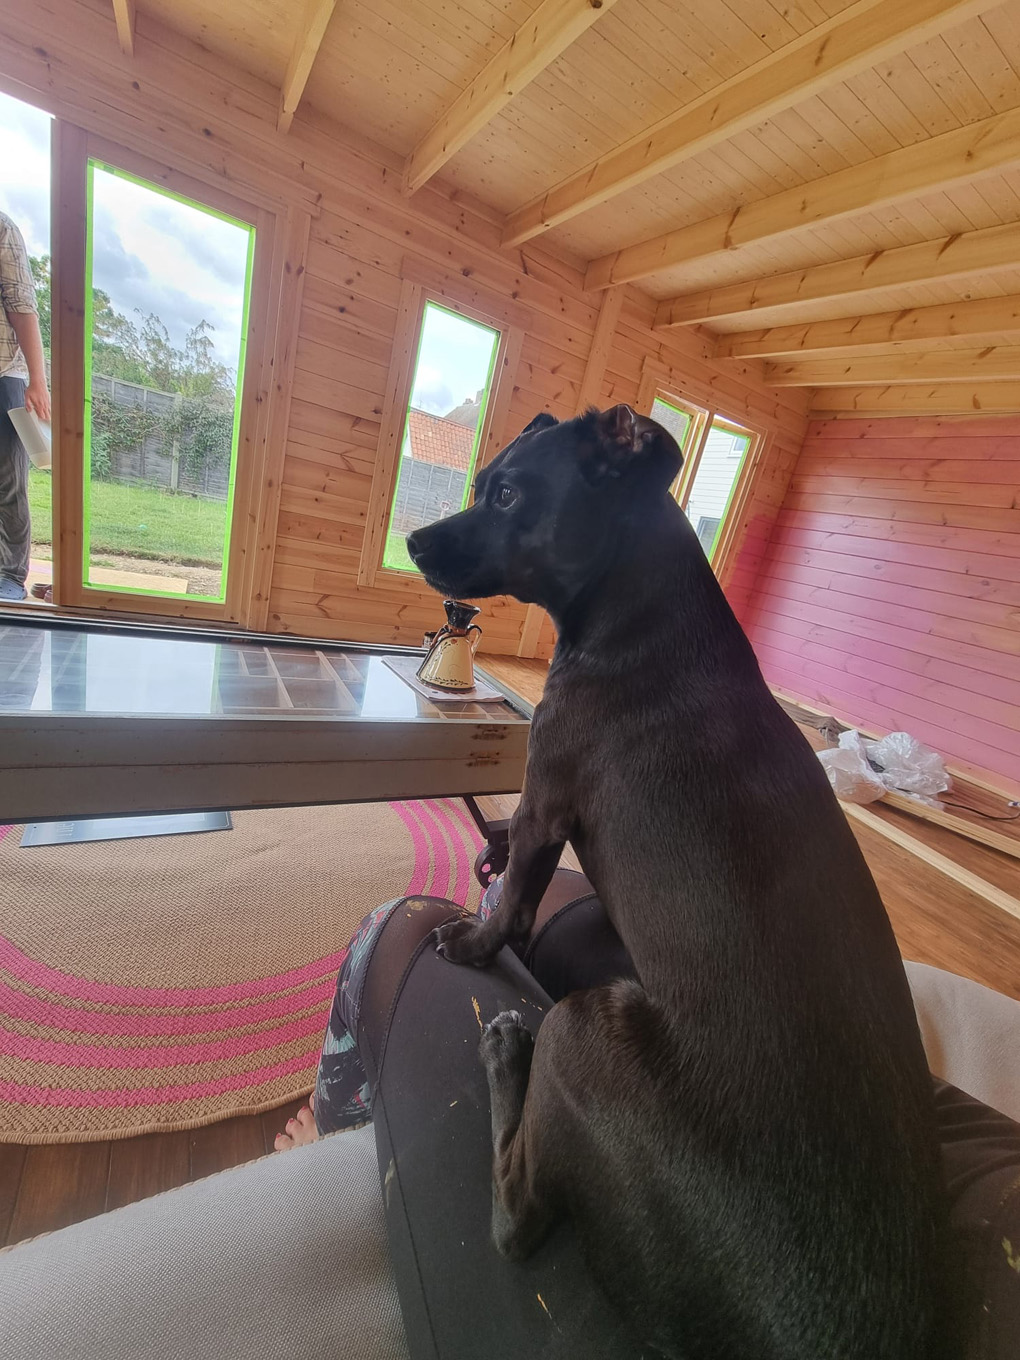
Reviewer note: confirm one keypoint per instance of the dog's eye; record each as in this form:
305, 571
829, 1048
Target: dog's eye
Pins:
505, 497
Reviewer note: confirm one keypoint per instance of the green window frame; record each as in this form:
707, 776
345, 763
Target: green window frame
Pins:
94, 164
394, 557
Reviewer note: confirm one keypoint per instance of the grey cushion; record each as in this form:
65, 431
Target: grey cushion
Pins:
285, 1257
971, 1035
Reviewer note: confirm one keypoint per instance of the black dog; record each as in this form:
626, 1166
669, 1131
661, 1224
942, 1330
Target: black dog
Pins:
745, 1137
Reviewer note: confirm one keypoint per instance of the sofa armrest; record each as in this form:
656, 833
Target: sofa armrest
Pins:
285, 1257
971, 1035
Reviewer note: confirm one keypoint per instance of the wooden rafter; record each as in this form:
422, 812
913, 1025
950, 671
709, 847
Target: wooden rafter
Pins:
124, 13
539, 41
948, 257
914, 399
309, 37
836, 50
939, 162
905, 328
940, 365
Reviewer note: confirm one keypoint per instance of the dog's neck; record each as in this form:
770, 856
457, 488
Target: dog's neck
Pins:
657, 596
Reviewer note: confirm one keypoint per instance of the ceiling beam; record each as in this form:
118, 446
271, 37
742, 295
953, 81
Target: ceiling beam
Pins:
989, 398
939, 162
124, 13
538, 42
931, 366
905, 328
948, 257
840, 48
309, 37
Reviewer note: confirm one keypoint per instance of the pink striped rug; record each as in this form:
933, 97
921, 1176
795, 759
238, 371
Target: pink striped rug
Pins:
166, 983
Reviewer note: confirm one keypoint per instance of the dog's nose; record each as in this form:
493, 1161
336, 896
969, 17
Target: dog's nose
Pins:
413, 546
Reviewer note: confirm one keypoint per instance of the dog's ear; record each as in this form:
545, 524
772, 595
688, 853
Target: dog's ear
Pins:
626, 442
545, 420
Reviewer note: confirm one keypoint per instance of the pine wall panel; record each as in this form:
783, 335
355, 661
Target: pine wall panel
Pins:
889, 592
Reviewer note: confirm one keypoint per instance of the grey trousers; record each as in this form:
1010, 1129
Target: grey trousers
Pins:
15, 523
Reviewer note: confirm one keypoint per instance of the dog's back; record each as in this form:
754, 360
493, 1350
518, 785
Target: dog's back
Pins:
767, 1075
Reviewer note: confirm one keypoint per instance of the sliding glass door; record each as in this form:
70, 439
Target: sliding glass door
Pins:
167, 296
161, 347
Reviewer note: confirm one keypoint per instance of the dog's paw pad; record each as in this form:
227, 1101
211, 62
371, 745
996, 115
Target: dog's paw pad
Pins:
505, 1036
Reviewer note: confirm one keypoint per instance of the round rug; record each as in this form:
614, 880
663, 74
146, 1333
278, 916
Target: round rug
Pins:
168, 982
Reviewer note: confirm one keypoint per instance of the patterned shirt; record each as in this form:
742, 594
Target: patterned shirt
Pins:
17, 294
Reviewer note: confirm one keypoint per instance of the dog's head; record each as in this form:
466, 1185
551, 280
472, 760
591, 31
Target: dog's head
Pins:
551, 509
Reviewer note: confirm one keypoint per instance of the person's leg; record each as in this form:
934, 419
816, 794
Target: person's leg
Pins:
572, 945
15, 522
341, 1099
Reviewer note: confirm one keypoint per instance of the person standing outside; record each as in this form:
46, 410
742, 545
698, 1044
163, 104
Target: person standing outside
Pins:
22, 383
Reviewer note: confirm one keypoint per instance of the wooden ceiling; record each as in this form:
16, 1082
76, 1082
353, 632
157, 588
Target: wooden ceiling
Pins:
872, 150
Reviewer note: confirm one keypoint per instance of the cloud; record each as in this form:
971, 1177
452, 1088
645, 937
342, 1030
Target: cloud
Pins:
25, 171
431, 392
176, 261
213, 252
29, 209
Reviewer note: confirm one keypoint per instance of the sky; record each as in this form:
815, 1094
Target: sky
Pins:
151, 253
453, 361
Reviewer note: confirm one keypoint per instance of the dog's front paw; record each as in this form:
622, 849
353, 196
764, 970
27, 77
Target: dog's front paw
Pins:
505, 1040
465, 941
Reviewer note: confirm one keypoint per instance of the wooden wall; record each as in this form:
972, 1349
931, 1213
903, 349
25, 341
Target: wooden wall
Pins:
175, 101
890, 590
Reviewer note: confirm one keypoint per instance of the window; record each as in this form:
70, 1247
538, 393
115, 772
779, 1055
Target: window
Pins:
716, 460
710, 491
675, 419
167, 290
451, 386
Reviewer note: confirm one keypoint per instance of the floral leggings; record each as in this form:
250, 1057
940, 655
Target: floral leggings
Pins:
342, 1096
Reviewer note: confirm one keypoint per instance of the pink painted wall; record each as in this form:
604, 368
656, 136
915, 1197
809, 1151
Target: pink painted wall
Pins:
889, 592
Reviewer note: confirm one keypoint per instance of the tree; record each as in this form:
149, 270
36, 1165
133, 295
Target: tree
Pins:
40, 267
199, 425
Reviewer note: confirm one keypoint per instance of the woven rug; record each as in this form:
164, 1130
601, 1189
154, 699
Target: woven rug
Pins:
165, 983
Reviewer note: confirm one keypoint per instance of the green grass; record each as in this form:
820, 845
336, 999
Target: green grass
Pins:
140, 521
395, 557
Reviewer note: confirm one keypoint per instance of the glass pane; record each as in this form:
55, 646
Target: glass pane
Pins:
709, 496
449, 397
672, 418
163, 674
167, 292
26, 557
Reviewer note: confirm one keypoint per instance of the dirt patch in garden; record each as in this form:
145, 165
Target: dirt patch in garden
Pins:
201, 580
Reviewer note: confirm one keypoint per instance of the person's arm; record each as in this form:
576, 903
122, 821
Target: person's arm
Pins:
37, 395
17, 297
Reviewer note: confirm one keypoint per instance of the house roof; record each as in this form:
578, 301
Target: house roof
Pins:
436, 439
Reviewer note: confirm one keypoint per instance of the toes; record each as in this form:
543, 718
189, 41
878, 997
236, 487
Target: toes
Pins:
505, 1039
464, 941
305, 1118
282, 1142
505, 1020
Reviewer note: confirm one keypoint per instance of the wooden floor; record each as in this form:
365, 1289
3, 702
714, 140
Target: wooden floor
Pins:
936, 921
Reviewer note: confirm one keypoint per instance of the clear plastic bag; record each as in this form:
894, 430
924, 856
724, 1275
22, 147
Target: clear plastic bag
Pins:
852, 778
906, 764
863, 771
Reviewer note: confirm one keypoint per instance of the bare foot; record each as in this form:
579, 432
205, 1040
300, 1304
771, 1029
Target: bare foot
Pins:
300, 1130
